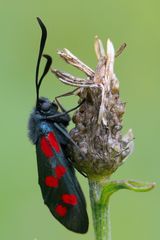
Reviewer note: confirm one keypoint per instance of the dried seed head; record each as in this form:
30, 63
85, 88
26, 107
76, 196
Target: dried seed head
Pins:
98, 121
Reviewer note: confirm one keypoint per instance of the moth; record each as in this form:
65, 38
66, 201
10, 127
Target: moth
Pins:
60, 189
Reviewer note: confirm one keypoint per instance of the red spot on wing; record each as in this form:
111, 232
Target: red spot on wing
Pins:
61, 210
51, 181
45, 147
53, 141
60, 171
69, 199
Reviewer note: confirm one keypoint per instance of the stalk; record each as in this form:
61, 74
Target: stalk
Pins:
100, 147
100, 212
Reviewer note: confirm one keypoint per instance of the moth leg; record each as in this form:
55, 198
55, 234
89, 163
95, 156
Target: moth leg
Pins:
72, 164
66, 134
58, 115
64, 95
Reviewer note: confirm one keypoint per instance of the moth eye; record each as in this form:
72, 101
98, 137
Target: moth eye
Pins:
45, 106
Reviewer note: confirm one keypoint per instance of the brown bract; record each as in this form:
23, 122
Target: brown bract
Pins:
98, 121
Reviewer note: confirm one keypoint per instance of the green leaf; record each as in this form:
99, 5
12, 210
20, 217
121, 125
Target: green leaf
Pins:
113, 186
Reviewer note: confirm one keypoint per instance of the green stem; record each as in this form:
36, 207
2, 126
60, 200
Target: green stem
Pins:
100, 192
100, 212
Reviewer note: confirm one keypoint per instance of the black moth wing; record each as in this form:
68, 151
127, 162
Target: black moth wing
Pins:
63, 196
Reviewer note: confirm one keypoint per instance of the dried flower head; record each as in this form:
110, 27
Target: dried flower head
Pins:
98, 121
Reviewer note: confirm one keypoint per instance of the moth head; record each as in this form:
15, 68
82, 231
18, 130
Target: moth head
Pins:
46, 107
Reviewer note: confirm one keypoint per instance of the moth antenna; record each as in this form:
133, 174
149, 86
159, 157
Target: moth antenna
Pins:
48, 58
47, 67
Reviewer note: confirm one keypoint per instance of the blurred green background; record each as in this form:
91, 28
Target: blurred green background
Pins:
73, 24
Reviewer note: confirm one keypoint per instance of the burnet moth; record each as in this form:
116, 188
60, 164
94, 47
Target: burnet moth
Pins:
47, 131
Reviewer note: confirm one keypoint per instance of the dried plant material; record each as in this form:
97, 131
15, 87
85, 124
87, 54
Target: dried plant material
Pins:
74, 61
98, 121
99, 49
71, 80
100, 147
121, 49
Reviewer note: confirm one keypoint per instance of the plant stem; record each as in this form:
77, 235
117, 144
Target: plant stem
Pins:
100, 212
